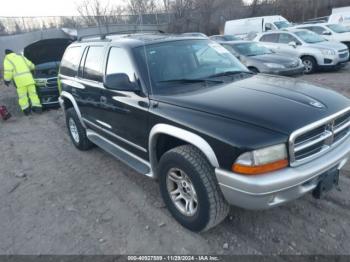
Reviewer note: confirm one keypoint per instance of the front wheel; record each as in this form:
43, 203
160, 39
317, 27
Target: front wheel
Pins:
76, 131
190, 190
310, 64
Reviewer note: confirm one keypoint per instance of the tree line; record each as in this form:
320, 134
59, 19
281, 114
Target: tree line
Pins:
207, 16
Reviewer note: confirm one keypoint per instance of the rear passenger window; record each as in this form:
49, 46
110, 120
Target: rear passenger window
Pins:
287, 38
93, 64
71, 60
119, 62
271, 38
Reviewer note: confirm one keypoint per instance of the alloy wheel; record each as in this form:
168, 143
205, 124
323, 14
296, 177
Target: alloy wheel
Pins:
74, 130
182, 192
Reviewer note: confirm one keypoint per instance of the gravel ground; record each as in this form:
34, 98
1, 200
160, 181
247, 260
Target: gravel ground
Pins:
57, 200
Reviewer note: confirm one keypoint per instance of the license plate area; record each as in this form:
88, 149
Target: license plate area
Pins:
327, 182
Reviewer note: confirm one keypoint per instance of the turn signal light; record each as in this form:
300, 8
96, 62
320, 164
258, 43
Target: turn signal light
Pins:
261, 169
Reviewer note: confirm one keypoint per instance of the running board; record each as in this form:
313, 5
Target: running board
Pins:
133, 161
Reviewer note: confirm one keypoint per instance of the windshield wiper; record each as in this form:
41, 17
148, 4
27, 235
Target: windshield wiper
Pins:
230, 73
190, 81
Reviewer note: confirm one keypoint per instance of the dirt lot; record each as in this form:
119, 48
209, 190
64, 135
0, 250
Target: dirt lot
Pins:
57, 200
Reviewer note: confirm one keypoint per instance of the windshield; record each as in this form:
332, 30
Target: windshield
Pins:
340, 29
310, 37
179, 63
251, 49
282, 24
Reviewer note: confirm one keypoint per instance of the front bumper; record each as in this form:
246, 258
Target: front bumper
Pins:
273, 189
333, 61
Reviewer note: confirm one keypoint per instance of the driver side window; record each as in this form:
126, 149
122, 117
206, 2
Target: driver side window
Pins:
268, 27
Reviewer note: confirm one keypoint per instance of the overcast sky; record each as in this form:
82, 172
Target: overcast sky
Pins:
43, 7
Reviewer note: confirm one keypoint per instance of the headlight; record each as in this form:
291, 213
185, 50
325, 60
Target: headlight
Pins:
273, 65
328, 52
262, 161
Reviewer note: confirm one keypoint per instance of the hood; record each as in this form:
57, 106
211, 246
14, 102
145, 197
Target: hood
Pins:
330, 45
275, 103
45, 51
344, 37
272, 58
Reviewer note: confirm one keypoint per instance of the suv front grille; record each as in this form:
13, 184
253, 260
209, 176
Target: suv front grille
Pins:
311, 141
51, 82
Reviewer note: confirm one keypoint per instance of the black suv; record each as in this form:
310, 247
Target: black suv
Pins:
186, 112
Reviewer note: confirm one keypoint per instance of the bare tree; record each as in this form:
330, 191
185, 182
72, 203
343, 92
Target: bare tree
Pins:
3, 30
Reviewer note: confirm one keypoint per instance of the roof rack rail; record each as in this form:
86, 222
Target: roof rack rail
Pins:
104, 36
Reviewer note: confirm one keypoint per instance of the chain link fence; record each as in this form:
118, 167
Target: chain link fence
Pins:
15, 25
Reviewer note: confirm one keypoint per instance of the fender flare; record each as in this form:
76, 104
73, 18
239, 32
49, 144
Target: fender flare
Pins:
181, 134
69, 96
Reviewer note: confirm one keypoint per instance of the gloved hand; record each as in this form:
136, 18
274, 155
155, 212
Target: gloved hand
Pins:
7, 83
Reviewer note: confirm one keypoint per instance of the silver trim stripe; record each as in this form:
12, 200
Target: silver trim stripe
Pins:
116, 136
72, 83
104, 124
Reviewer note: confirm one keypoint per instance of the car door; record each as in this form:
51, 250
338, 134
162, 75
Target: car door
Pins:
270, 41
90, 76
125, 113
284, 44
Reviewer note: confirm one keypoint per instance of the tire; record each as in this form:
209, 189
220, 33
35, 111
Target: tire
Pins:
254, 70
76, 131
188, 163
310, 64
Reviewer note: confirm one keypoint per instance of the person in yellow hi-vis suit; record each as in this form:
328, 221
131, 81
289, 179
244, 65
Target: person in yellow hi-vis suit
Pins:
18, 69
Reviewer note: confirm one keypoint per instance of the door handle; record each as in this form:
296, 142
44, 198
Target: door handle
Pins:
103, 99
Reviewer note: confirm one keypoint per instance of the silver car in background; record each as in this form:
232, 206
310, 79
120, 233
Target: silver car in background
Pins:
314, 50
260, 59
224, 38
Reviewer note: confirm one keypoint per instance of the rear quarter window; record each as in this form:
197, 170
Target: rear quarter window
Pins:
71, 60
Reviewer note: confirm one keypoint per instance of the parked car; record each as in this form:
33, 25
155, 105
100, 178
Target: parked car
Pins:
260, 59
185, 111
224, 38
315, 51
331, 32
197, 34
46, 55
244, 27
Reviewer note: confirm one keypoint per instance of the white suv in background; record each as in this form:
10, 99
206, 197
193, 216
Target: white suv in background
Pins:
314, 50
332, 32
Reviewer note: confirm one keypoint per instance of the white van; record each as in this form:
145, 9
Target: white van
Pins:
243, 27
340, 16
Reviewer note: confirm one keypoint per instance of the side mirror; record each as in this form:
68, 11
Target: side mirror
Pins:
292, 44
327, 33
120, 82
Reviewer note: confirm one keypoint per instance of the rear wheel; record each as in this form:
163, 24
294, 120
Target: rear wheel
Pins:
76, 131
190, 190
310, 64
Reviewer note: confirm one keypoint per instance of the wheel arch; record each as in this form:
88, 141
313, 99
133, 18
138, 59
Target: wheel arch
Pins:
68, 98
309, 55
180, 134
